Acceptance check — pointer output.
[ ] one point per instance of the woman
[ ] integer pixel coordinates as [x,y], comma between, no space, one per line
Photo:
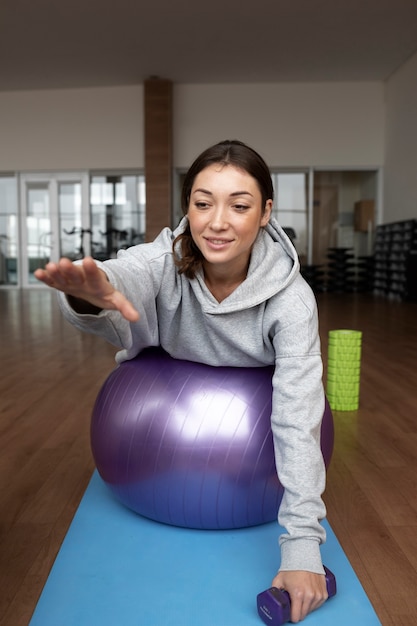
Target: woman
[225,289]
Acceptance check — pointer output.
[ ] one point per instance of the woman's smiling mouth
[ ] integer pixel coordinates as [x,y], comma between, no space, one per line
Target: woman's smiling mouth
[217,243]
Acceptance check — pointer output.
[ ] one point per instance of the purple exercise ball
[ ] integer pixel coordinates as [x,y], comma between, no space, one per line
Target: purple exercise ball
[189,444]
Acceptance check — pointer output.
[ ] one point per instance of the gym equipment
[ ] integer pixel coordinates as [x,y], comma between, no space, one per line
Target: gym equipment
[189,444]
[115,567]
[343,369]
[274,605]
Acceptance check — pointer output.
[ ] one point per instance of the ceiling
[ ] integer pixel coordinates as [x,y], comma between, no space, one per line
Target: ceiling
[48,44]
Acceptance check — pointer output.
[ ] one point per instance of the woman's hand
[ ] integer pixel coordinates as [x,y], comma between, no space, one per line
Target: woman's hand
[307,591]
[88,283]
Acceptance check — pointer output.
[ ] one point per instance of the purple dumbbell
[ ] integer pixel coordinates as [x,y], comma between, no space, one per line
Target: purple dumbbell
[274,606]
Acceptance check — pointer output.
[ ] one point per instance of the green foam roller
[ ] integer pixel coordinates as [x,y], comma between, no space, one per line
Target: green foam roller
[341,367]
[340,399]
[349,355]
[345,342]
[344,407]
[349,372]
[343,371]
[343,394]
[346,388]
[342,380]
[345,334]
[339,403]
[342,348]
[344,353]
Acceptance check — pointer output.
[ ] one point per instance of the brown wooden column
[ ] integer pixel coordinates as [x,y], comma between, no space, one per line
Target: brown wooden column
[158,155]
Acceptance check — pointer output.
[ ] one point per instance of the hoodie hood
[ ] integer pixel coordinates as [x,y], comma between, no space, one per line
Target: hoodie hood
[273,265]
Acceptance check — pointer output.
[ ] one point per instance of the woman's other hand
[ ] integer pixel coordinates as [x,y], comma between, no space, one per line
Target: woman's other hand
[307,591]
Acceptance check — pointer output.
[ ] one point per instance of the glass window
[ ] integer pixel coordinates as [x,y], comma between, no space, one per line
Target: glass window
[117,213]
[38,228]
[71,232]
[290,206]
[8,231]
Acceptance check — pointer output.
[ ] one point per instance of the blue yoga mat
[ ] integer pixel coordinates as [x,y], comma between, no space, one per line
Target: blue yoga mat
[116,568]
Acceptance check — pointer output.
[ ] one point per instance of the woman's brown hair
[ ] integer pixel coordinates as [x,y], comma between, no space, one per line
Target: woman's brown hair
[187,255]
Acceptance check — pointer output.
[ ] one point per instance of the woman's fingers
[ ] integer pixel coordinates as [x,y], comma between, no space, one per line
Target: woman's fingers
[307,591]
[79,280]
[88,282]
[125,307]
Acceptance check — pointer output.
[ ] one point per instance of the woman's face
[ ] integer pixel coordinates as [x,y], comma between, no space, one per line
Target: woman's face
[225,213]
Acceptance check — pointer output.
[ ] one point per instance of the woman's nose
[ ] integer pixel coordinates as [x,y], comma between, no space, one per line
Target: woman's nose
[218,218]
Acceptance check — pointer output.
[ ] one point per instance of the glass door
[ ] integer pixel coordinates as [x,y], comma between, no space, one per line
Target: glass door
[8,231]
[74,231]
[39,239]
[117,212]
[55,221]
[291,207]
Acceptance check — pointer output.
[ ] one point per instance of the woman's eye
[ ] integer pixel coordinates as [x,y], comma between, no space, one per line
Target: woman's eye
[240,207]
[201,205]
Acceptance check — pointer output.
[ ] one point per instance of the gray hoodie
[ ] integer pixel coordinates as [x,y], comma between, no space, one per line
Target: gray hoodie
[270,318]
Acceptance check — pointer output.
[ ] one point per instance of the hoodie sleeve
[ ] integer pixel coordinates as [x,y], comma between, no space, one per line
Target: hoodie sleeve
[298,406]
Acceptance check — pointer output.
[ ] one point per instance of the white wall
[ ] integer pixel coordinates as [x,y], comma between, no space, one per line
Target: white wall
[71,129]
[291,124]
[400,175]
[325,124]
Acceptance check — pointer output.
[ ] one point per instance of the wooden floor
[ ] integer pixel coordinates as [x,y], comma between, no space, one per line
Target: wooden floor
[50,375]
